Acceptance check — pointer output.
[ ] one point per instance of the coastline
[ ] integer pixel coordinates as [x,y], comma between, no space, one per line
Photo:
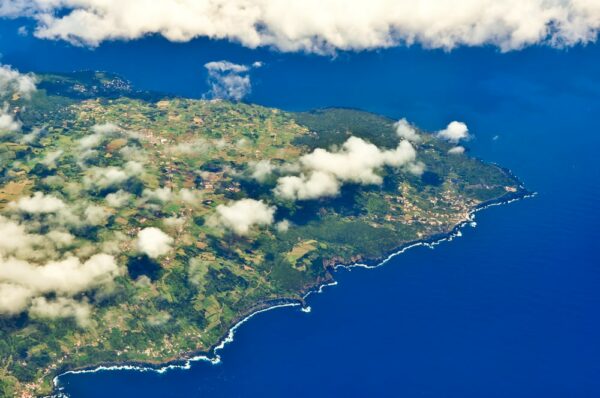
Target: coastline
[185,360]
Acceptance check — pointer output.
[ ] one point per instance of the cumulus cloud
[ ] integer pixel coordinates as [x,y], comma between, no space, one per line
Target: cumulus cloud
[319,26]
[174,222]
[283,226]
[261,170]
[22,281]
[406,130]
[31,137]
[89,141]
[104,177]
[41,260]
[225,66]
[416,168]
[190,196]
[457,150]
[13,82]
[315,185]
[454,132]
[19,242]
[61,307]
[96,215]
[60,238]
[51,158]
[118,199]
[153,242]
[106,128]
[39,203]
[8,122]
[58,214]
[228,80]
[13,298]
[160,195]
[68,276]
[240,216]
[358,161]
[100,132]
[195,147]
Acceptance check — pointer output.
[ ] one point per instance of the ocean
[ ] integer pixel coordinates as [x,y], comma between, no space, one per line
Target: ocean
[509,309]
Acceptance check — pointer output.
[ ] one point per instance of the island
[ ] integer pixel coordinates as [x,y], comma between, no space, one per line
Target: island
[139,228]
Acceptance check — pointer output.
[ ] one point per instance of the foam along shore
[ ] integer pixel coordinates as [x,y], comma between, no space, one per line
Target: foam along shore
[215,358]
[433,241]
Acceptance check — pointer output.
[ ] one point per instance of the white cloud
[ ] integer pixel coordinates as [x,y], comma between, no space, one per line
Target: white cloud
[13,82]
[318,25]
[118,199]
[282,226]
[14,236]
[357,161]
[406,130]
[8,122]
[416,168]
[174,222]
[39,203]
[35,264]
[160,195]
[457,150]
[61,307]
[51,158]
[13,298]
[100,132]
[454,132]
[106,128]
[261,170]
[17,241]
[95,215]
[57,213]
[317,184]
[195,147]
[21,282]
[60,238]
[228,80]
[89,141]
[133,153]
[51,212]
[240,216]
[153,242]
[104,177]
[67,276]
[31,137]
[225,66]
[190,196]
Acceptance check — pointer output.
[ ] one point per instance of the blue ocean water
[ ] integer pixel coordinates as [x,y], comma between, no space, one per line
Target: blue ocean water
[510,309]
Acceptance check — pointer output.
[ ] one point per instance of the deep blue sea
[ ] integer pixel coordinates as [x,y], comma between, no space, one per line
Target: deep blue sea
[510,309]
